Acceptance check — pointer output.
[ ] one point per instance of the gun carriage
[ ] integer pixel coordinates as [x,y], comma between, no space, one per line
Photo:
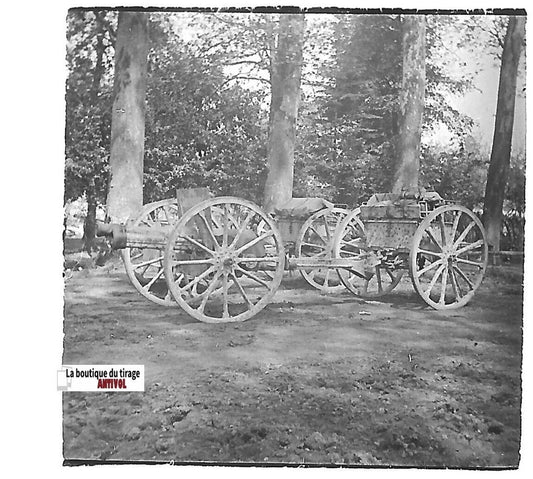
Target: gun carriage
[222,259]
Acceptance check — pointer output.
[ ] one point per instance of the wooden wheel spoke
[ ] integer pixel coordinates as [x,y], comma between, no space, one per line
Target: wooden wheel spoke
[137,256]
[242,227]
[357,273]
[195,296]
[391,276]
[434,280]
[167,214]
[326,226]
[145,269]
[463,234]
[443,285]
[355,242]
[198,244]
[148,285]
[198,278]
[325,241]
[471,263]
[253,277]
[429,267]
[442,229]
[432,238]
[209,229]
[469,247]
[455,284]
[463,275]
[260,238]
[429,253]
[454,227]
[225,228]
[354,254]
[326,277]
[313,245]
[225,310]
[212,286]
[147,263]
[241,291]
[378,279]
[192,295]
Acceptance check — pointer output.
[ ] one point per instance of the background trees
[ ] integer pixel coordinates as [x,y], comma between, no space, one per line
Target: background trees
[90,38]
[208,100]
[201,129]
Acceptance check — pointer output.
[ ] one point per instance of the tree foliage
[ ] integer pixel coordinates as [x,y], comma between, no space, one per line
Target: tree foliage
[200,132]
[208,96]
[351,130]
[90,39]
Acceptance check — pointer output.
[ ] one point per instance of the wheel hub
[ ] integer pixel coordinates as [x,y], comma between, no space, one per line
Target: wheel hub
[228,263]
[448,254]
[225,259]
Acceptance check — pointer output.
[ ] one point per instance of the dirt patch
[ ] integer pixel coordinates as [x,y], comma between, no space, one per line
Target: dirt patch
[312,379]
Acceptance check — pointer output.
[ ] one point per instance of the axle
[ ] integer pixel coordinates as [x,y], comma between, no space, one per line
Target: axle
[347,263]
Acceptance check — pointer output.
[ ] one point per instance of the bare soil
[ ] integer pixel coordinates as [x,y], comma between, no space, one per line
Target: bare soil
[312,379]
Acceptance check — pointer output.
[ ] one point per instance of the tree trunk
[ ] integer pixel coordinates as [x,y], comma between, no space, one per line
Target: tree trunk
[285,76]
[125,195]
[89,225]
[412,98]
[503,132]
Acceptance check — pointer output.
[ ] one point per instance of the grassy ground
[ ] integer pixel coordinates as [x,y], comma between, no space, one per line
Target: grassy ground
[308,380]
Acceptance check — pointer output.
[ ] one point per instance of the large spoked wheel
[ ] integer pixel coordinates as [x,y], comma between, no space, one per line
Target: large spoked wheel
[449,257]
[224,269]
[315,240]
[144,266]
[370,277]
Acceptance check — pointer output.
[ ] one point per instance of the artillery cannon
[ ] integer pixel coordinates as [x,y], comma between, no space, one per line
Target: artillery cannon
[222,259]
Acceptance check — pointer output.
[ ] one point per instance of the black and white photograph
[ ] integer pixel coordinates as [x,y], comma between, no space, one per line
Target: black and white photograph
[293,237]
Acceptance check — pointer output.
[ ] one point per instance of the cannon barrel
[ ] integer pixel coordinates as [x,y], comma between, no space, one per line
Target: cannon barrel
[129,236]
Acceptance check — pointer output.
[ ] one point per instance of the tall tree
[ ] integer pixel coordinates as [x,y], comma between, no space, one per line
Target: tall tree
[89,226]
[285,77]
[125,195]
[412,97]
[503,131]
